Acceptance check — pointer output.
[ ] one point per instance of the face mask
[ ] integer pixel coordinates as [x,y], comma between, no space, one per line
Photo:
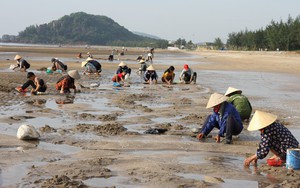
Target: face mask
[217,108]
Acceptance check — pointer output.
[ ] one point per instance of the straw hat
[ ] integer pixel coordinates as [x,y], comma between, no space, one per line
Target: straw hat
[231,90]
[261,120]
[216,99]
[17,57]
[86,61]
[142,61]
[151,68]
[122,64]
[74,74]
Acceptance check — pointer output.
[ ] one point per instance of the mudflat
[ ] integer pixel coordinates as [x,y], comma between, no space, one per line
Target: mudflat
[98,138]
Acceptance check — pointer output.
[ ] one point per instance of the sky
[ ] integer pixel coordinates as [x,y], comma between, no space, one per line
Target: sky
[195,20]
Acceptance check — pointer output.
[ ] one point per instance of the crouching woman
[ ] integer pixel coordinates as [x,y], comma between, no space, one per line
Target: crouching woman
[275,137]
[67,82]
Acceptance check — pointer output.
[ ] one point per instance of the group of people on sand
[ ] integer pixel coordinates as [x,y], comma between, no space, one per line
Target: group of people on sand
[231,110]
[38,85]
[150,76]
[63,85]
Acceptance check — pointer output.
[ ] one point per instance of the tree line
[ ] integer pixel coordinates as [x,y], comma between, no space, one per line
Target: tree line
[275,36]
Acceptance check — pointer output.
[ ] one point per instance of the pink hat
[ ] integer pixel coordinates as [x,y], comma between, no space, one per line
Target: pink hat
[185,66]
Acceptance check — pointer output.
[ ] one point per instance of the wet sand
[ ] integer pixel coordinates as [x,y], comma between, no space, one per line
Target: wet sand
[99,140]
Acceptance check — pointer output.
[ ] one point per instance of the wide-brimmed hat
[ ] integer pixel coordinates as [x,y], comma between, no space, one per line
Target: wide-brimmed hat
[17,57]
[142,61]
[86,61]
[231,90]
[216,99]
[261,120]
[74,74]
[151,68]
[122,64]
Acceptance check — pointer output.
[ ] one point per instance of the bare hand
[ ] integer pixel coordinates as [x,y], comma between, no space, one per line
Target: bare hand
[200,135]
[248,161]
[217,138]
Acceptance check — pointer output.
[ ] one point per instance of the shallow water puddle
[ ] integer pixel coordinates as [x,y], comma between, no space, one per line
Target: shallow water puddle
[135,128]
[116,181]
[84,102]
[62,148]
[13,175]
[153,104]
[268,87]
[218,159]
[227,182]
[165,119]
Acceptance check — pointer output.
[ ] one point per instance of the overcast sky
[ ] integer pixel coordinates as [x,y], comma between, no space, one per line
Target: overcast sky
[196,20]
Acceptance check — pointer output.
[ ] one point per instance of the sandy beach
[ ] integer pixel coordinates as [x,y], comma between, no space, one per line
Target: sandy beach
[99,139]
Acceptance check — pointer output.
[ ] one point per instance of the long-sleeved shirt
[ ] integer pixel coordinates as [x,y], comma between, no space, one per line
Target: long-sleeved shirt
[66,83]
[242,105]
[189,71]
[278,138]
[150,75]
[219,120]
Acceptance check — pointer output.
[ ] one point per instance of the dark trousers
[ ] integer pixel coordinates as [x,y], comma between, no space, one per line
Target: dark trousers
[31,83]
[232,128]
[28,83]
[187,77]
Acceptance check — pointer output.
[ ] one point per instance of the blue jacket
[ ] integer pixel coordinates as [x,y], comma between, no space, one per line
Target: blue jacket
[220,120]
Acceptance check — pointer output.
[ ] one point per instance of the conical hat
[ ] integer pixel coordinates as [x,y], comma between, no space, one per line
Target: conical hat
[142,61]
[216,99]
[122,64]
[151,68]
[74,74]
[86,61]
[261,120]
[231,90]
[17,57]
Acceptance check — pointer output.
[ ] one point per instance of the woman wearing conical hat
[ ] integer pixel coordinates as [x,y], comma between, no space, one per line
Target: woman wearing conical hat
[240,102]
[275,137]
[67,82]
[22,63]
[143,67]
[91,66]
[122,67]
[224,117]
[150,75]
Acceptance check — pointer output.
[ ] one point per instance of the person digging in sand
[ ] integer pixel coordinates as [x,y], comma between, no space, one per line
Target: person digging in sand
[224,117]
[168,76]
[38,85]
[91,66]
[119,79]
[275,137]
[23,65]
[240,102]
[150,75]
[187,75]
[67,82]
[58,65]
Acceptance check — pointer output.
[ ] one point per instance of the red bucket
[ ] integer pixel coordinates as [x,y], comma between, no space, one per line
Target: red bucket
[274,162]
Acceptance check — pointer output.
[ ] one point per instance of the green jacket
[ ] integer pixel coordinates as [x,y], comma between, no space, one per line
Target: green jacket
[242,105]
